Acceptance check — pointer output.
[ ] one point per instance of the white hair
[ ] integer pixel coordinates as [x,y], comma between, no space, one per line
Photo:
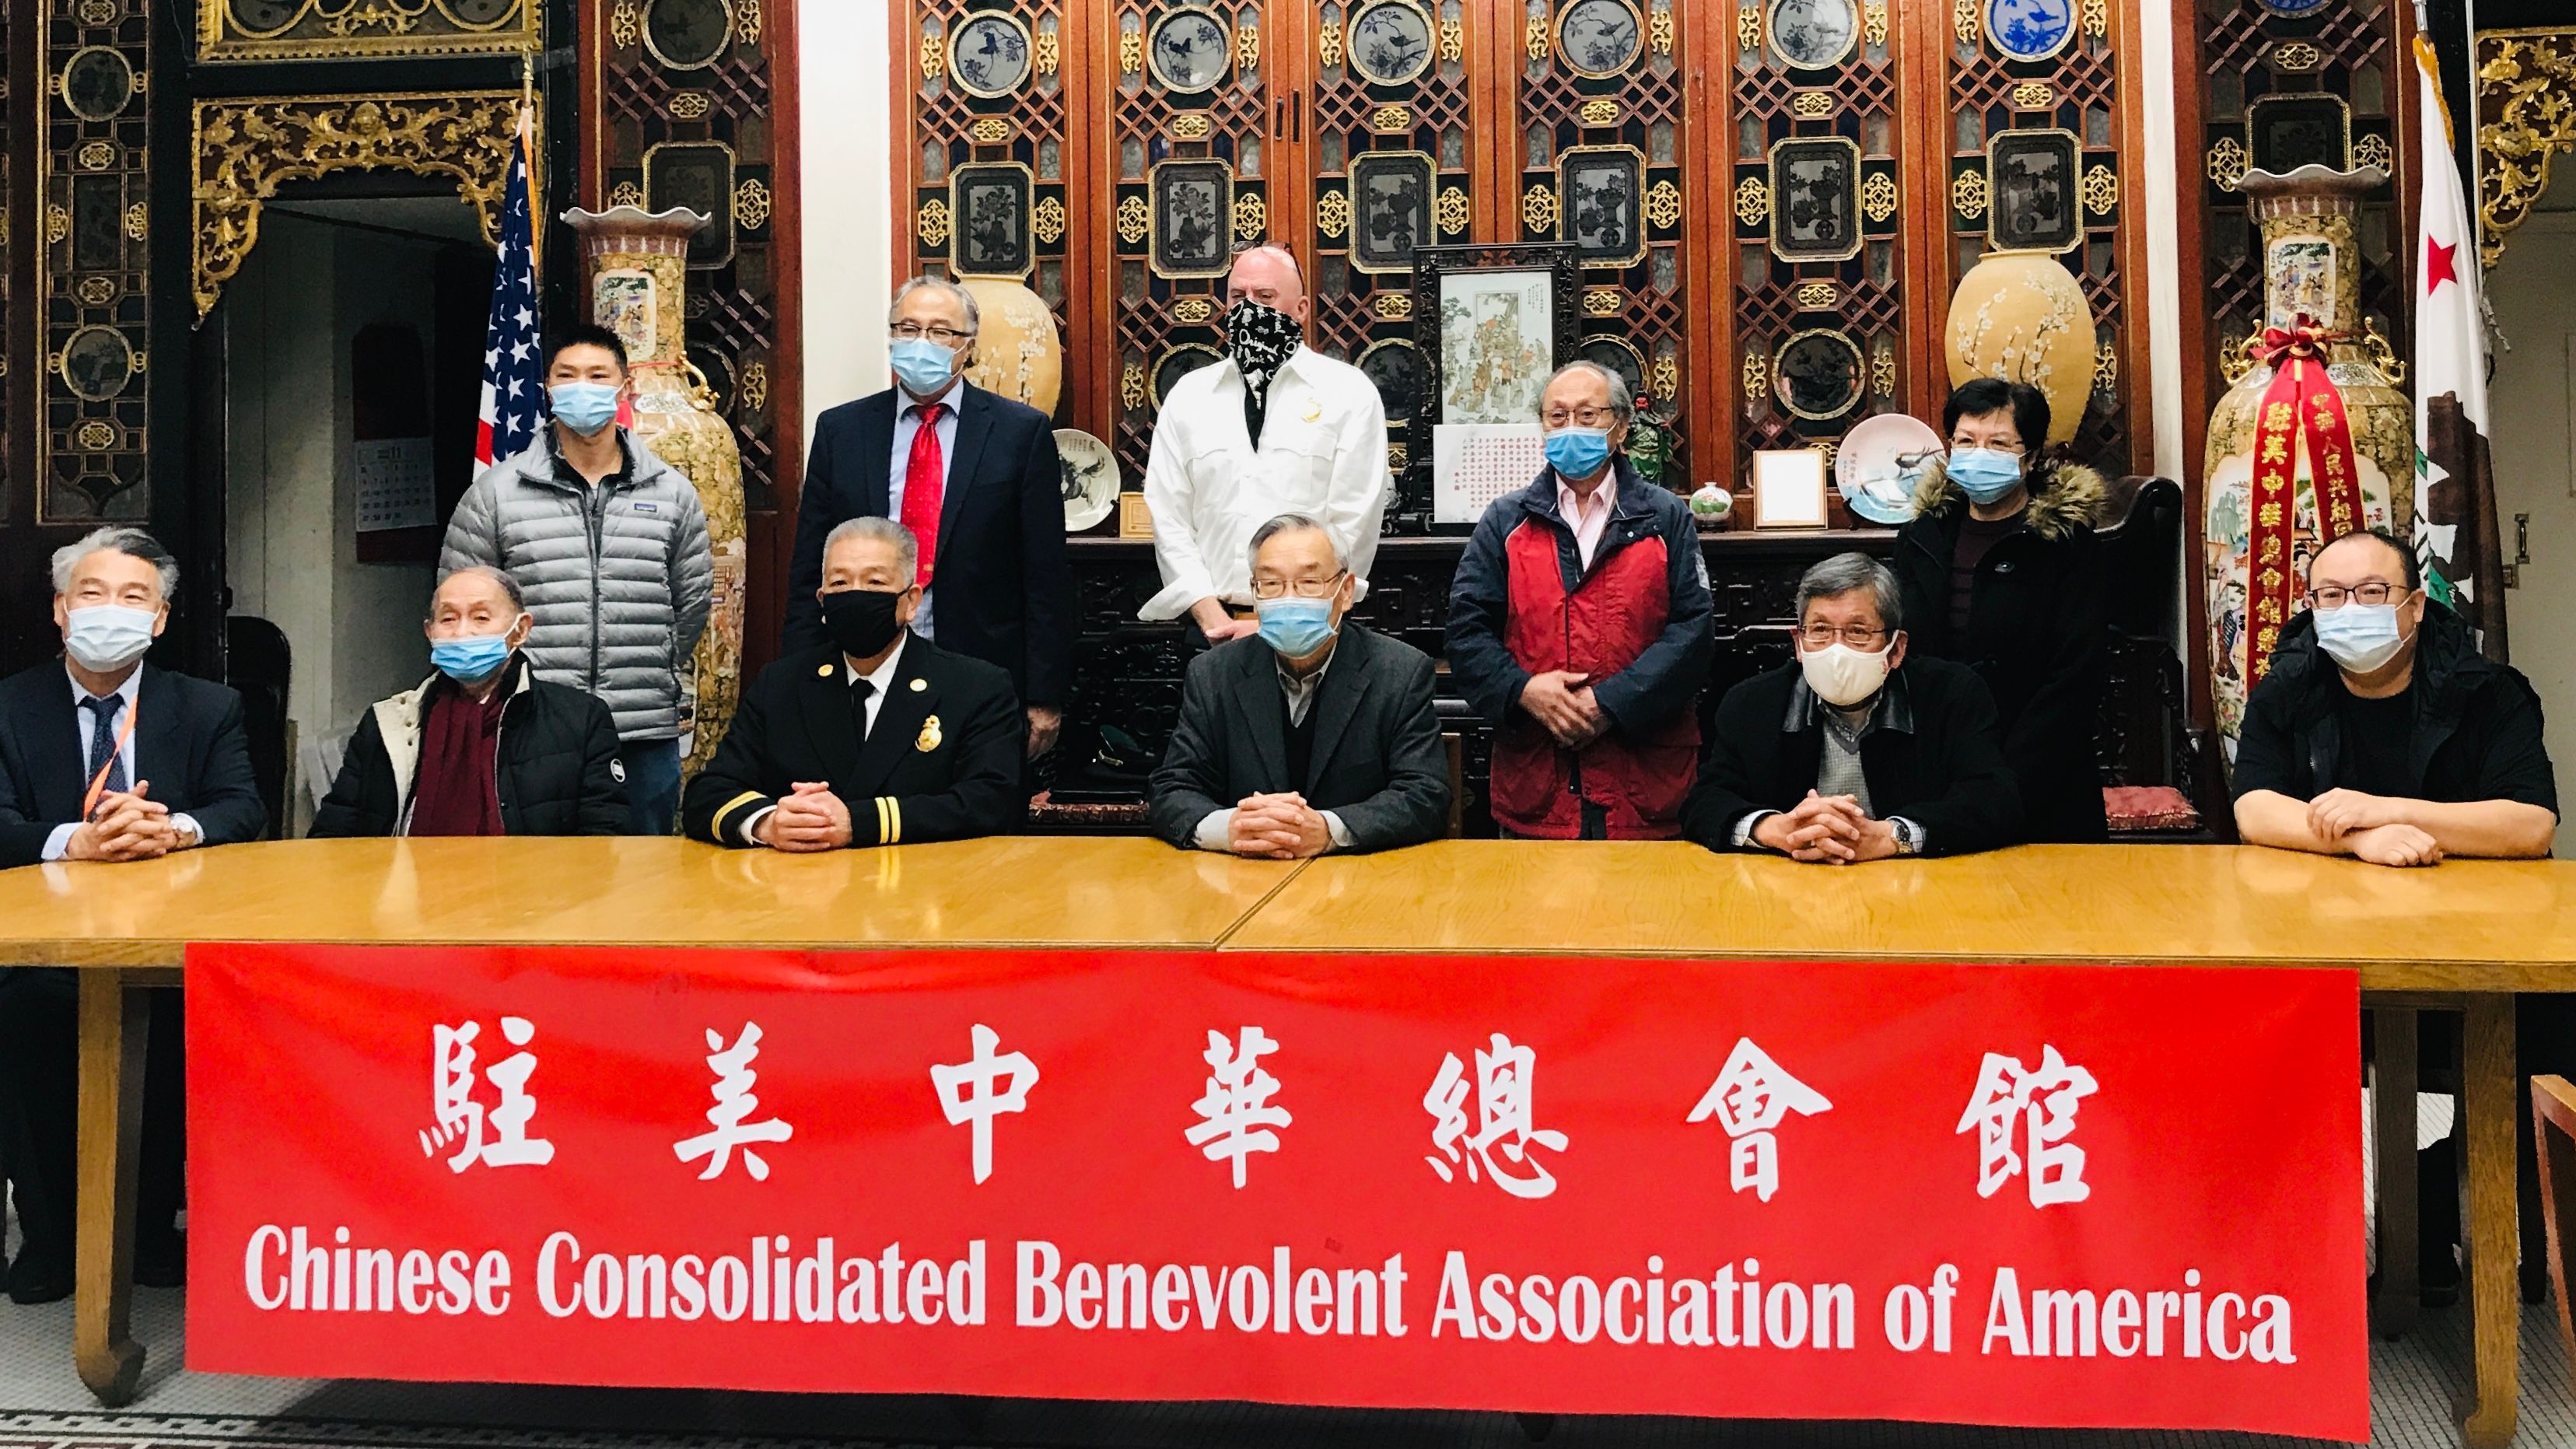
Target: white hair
[1847,573]
[964,298]
[1295,523]
[1622,406]
[132,542]
[907,549]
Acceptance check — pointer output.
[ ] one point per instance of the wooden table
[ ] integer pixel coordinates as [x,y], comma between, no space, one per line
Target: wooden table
[2460,937]
[128,927]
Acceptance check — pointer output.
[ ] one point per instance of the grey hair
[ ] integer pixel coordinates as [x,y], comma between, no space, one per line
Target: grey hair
[1845,572]
[884,530]
[132,542]
[509,586]
[966,299]
[1622,405]
[1295,523]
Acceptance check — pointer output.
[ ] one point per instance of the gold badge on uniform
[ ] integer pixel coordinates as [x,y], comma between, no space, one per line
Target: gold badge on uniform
[928,739]
[1314,410]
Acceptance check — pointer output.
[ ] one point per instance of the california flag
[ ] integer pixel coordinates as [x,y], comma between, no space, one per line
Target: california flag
[2455,507]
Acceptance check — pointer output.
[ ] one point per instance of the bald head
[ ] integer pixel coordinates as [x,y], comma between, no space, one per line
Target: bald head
[1267,274]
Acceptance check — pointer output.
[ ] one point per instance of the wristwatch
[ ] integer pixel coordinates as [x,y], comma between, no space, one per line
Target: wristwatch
[1909,836]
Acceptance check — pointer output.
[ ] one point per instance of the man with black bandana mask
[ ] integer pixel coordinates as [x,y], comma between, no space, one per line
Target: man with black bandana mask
[1273,428]
[878,738]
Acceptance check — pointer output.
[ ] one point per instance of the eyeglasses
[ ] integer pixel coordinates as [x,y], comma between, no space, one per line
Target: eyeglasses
[914,332]
[1579,417]
[1822,636]
[1302,588]
[2330,597]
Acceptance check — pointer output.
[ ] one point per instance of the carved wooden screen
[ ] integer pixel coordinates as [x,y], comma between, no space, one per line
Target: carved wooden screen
[1392,165]
[92,294]
[1821,330]
[1602,136]
[2040,125]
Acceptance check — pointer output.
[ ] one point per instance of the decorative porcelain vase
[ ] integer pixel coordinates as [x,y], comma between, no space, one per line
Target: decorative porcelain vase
[2021,316]
[639,290]
[1017,352]
[2255,557]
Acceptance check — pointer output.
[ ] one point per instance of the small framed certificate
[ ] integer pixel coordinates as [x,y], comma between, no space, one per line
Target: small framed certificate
[1789,488]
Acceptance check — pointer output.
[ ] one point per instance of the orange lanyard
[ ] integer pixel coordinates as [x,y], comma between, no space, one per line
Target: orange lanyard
[98,782]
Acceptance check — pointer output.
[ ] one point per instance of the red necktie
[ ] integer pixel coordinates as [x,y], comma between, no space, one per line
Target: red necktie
[924,477]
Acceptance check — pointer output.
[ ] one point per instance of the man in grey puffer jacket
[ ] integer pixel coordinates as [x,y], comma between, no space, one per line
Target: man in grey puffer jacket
[609,544]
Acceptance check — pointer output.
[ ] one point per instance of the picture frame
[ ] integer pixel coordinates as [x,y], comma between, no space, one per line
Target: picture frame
[1492,322]
[1789,488]
[1391,42]
[700,176]
[990,203]
[1604,191]
[1819,375]
[989,54]
[1192,233]
[1815,199]
[1813,34]
[1390,208]
[687,34]
[2035,203]
[1189,50]
[1598,39]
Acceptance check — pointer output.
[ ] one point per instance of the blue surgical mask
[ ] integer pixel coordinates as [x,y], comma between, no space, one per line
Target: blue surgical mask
[1295,627]
[584,407]
[1578,452]
[471,659]
[925,367]
[2360,637]
[104,637]
[1986,475]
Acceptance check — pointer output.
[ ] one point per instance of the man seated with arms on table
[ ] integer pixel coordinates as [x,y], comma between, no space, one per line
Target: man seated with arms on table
[1315,735]
[1850,752]
[878,738]
[105,758]
[1579,623]
[482,747]
[1276,427]
[2401,744]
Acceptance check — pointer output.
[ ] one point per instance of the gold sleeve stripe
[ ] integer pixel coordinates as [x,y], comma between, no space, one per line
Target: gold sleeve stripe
[716,827]
[880,803]
[894,812]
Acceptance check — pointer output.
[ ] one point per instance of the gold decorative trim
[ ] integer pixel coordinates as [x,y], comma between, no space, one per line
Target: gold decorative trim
[1391,120]
[1882,368]
[1135,220]
[1968,193]
[934,56]
[1663,205]
[319,31]
[1328,44]
[747,21]
[96,291]
[1333,212]
[1600,111]
[2227,163]
[2101,190]
[2373,151]
[2097,18]
[97,155]
[1818,296]
[2383,354]
[2106,370]
[1131,385]
[1756,376]
[1191,126]
[625,24]
[1046,53]
[1453,40]
[1049,220]
[1452,211]
[1878,197]
[990,131]
[245,149]
[1193,311]
[1247,47]
[1812,105]
[1534,39]
[2296,57]
[1604,302]
[626,193]
[751,203]
[688,105]
[931,222]
[58,224]
[96,435]
[1131,51]
[2034,95]
[1394,306]
[1539,209]
[138,221]
[2526,116]
[1964,22]
[1748,29]
[1659,30]
[754,386]
[1753,201]
[1873,22]
[1251,218]
[1664,379]
[1398,458]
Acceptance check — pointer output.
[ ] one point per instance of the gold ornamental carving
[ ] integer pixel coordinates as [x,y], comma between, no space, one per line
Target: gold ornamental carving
[931,223]
[2033,96]
[2097,18]
[1752,201]
[1964,21]
[98,12]
[934,56]
[138,222]
[245,149]
[754,385]
[626,193]
[1968,194]
[1756,373]
[1131,51]
[1664,379]
[1398,458]
[1452,211]
[1386,120]
[97,291]
[1131,386]
[1882,368]
[2101,190]
[2526,82]
[1534,38]
[1193,311]
[689,105]
[1453,40]
[1328,44]
[1048,221]
[1659,30]
[1604,302]
[1333,212]
[1600,111]
[1190,126]
[751,204]
[1878,196]
[1873,22]
[747,20]
[2373,151]
[1046,53]
[98,155]
[1250,216]
[1812,105]
[1664,204]
[1539,209]
[1247,47]
[1818,296]
[349,29]
[2227,162]
[990,131]
[626,24]
[58,224]
[1394,306]
[2296,57]
[96,436]
[1135,219]
[2106,370]
[1748,29]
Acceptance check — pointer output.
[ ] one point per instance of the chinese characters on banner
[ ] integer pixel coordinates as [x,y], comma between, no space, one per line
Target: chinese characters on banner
[2032,1195]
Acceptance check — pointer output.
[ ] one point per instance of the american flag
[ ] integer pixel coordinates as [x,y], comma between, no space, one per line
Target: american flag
[513,360]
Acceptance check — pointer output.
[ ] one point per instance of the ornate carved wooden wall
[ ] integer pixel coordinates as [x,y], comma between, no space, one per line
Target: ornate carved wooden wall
[2526,114]
[93,298]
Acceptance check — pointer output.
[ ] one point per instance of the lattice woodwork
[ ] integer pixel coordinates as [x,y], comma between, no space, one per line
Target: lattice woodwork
[1154,318]
[711,114]
[1862,296]
[93,179]
[2075,91]
[1407,121]
[954,126]
[2358,59]
[1559,111]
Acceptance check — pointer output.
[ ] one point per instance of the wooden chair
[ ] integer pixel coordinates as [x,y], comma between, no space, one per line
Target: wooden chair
[2553,1126]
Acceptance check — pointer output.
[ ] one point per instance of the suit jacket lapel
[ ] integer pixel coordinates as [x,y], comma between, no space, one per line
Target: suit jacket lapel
[823,700]
[898,726]
[877,484]
[57,745]
[1346,683]
[974,425]
[160,741]
[1256,694]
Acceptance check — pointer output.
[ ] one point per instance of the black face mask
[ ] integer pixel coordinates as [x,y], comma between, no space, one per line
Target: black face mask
[861,621]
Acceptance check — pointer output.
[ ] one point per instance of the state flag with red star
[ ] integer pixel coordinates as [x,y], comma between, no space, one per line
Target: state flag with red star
[2455,509]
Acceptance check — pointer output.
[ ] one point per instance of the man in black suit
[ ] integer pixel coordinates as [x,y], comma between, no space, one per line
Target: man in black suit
[104,759]
[1310,735]
[877,738]
[1852,752]
[976,478]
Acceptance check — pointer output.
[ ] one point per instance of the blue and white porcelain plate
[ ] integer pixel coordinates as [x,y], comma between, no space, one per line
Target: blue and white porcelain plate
[2030,29]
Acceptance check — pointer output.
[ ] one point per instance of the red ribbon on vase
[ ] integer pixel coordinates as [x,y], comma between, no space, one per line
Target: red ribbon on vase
[2302,404]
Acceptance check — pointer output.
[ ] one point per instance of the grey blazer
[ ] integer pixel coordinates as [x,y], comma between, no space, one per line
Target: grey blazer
[1377,760]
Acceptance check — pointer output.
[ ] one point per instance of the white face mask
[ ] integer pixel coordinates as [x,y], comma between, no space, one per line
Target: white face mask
[1843,676]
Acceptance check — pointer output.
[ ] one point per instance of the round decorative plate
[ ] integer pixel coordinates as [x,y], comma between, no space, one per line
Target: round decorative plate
[1190,51]
[1818,374]
[989,55]
[687,34]
[1391,42]
[1090,478]
[96,363]
[2030,29]
[97,83]
[1600,38]
[1879,462]
[1814,34]
[1179,363]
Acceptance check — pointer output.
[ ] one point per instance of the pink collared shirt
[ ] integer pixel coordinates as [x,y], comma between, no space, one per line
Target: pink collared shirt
[1588,519]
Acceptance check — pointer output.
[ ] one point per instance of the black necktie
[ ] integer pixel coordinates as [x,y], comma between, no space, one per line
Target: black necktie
[102,739]
[861,691]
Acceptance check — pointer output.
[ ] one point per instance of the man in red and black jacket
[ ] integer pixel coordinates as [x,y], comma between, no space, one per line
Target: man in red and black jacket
[1579,623]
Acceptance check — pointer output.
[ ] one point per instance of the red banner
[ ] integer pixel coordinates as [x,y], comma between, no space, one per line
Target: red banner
[2033,1195]
[2302,410]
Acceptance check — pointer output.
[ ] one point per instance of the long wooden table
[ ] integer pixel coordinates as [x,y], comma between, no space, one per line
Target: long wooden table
[2463,937]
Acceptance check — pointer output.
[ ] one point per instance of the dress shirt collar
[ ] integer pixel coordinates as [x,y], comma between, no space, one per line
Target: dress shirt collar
[905,404]
[1305,688]
[128,690]
[1289,368]
[884,675]
[1892,709]
[1604,500]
